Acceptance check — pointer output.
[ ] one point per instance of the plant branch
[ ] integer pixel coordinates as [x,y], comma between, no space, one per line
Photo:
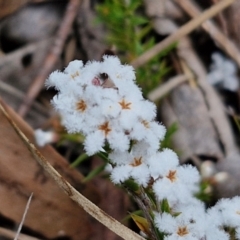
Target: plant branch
[165,88]
[215,33]
[182,31]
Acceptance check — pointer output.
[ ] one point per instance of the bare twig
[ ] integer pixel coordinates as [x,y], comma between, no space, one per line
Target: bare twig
[216,34]
[23,218]
[184,30]
[87,205]
[165,88]
[52,57]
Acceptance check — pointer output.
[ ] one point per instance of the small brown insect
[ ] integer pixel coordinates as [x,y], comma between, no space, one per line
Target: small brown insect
[103,80]
[106,81]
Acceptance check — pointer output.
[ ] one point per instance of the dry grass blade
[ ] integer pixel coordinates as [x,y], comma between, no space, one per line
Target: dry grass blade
[23,218]
[87,205]
[183,31]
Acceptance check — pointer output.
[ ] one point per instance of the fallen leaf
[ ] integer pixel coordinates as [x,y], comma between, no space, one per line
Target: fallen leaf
[51,212]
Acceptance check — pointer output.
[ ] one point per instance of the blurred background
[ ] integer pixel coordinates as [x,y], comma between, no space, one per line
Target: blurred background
[193,79]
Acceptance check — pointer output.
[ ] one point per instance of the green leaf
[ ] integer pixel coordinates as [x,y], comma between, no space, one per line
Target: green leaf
[128,32]
[131,185]
[94,173]
[142,223]
[79,160]
[143,32]
[139,21]
[167,141]
[176,214]
[134,4]
[126,218]
[104,156]
[73,137]
[204,194]
[165,206]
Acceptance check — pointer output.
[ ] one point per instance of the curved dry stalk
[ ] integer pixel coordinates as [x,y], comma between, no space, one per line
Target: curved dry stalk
[182,31]
[87,205]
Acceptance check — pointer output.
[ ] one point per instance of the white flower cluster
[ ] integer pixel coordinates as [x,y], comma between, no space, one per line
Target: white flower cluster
[223,72]
[102,101]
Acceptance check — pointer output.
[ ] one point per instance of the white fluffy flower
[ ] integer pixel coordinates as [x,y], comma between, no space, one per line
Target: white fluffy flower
[176,184]
[228,210]
[102,101]
[188,225]
[214,225]
[223,72]
[131,165]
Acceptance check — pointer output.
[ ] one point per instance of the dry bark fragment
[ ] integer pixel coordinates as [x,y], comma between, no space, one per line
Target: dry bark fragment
[51,212]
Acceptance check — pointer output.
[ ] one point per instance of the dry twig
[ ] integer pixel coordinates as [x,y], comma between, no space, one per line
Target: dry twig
[87,205]
[52,57]
[165,88]
[184,30]
[216,34]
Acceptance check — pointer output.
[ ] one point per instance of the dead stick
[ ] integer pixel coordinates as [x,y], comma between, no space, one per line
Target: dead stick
[87,205]
[182,31]
[165,88]
[51,58]
[216,34]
